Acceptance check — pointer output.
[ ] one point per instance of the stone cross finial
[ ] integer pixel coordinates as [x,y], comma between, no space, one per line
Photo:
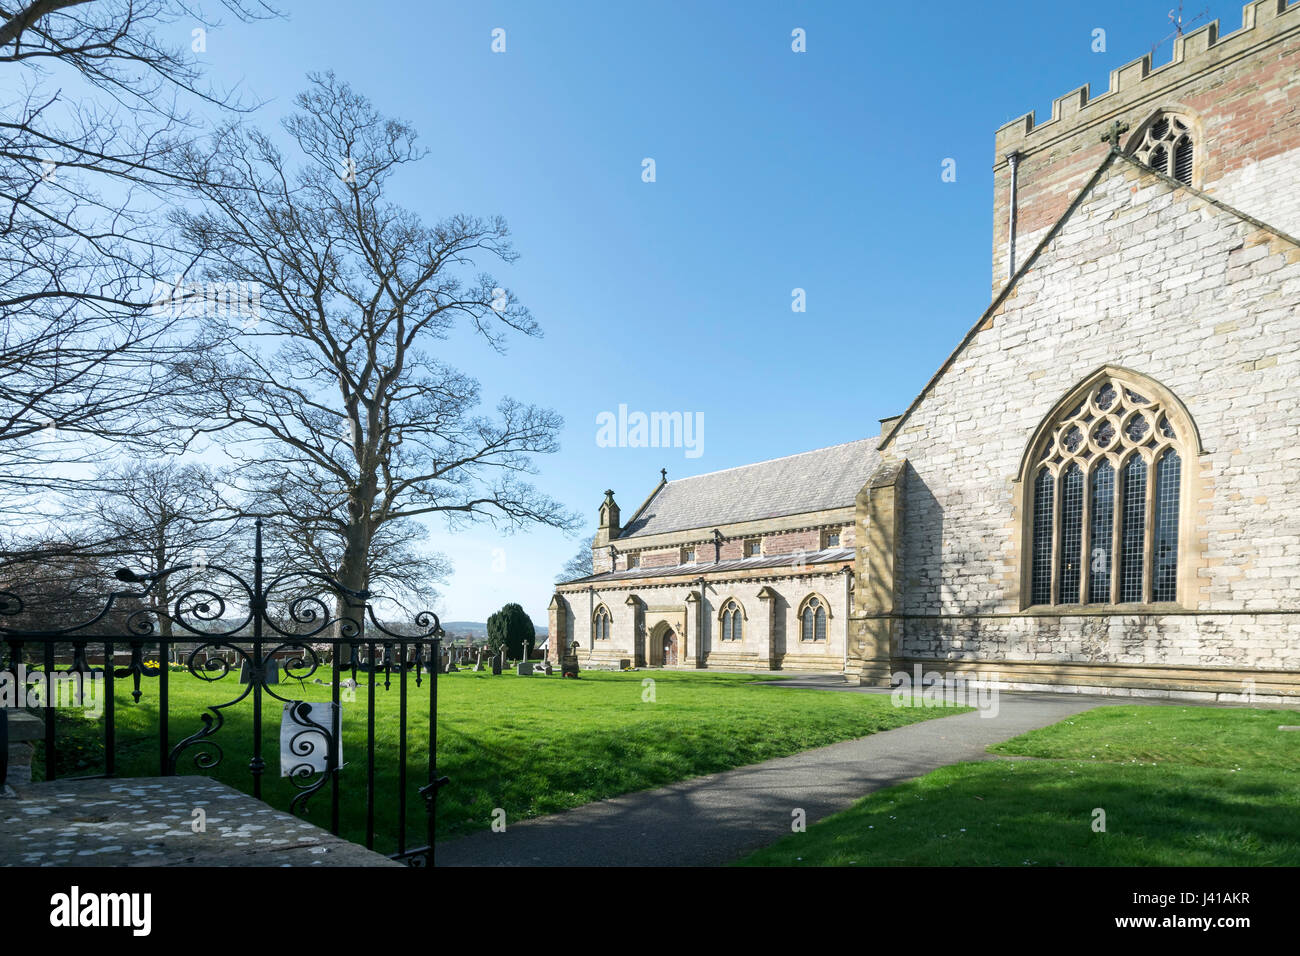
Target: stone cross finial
[1112,135]
[663,474]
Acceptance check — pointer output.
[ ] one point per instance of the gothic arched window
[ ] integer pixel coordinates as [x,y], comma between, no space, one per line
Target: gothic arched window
[733,624]
[1105,491]
[600,624]
[1165,142]
[812,619]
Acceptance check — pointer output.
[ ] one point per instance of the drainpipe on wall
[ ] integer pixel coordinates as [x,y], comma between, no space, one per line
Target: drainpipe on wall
[1013,159]
[699,625]
[848,611]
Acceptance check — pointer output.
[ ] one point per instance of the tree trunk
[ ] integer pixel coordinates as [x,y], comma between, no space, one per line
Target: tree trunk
[162,594]
[162,598]
[354,573]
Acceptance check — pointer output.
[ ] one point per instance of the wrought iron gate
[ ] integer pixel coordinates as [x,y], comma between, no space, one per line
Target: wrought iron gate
[232,630]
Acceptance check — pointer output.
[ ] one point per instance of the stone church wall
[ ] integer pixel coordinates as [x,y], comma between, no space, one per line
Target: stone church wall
[1158,281]
[770,636]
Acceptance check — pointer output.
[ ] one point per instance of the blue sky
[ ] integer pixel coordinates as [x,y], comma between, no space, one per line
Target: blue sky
[774,170]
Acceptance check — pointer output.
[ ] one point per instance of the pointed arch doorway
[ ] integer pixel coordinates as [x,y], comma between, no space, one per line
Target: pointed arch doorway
[664,645]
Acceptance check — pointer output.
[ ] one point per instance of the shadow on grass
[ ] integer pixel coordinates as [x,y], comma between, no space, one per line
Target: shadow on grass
[1043,813]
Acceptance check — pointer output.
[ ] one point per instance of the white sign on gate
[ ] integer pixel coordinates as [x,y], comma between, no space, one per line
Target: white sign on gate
[303,747]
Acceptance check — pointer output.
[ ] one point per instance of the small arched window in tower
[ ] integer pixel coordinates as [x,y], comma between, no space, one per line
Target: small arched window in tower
[812,622]
[733,624]
[1165,144]
[600,625]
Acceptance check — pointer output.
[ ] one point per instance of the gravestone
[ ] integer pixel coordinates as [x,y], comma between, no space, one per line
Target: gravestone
[272,672]
[524,668]
[478,664]
[496,664]
[546,668]
[569,662]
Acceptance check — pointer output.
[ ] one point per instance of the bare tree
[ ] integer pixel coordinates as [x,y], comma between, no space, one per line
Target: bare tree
[304,538]
[580,565]
[334,402]
[95,111]
[69,585]
[157,515]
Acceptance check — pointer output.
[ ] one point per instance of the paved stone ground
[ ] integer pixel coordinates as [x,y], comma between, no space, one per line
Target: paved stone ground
[146,822]
[709,821]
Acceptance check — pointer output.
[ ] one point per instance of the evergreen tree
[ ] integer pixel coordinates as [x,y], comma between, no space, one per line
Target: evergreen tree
[513,629]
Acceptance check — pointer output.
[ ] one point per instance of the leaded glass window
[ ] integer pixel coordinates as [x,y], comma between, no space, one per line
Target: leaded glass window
[812,624]
[600,626]
[1165,576]
[1042,571]
[1132,534]
[1104,499]
[1102,509]
[1071,533]
[733,626]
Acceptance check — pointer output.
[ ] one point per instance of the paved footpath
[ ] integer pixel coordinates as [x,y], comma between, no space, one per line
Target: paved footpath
[147,821]
[709,821]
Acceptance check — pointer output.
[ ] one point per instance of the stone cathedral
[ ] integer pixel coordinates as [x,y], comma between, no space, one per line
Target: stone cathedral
[1097,490]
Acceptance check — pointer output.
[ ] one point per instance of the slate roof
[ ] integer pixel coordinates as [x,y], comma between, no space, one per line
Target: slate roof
[797,484]
[706,568]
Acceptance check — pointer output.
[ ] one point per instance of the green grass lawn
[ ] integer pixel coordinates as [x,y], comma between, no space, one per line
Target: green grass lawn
[527,745]
[1180,786]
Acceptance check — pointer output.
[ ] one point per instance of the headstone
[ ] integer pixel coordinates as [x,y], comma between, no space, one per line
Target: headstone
[478,663]
[547,669]
[496,664]
[272,672]
[524,668]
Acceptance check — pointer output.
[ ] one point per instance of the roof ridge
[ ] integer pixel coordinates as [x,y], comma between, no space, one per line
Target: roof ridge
[1173,183]
[768,461]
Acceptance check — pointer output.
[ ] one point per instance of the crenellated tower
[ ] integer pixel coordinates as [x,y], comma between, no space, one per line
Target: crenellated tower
[1223,115]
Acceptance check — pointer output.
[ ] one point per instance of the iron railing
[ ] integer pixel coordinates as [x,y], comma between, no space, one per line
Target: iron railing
[232,630]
